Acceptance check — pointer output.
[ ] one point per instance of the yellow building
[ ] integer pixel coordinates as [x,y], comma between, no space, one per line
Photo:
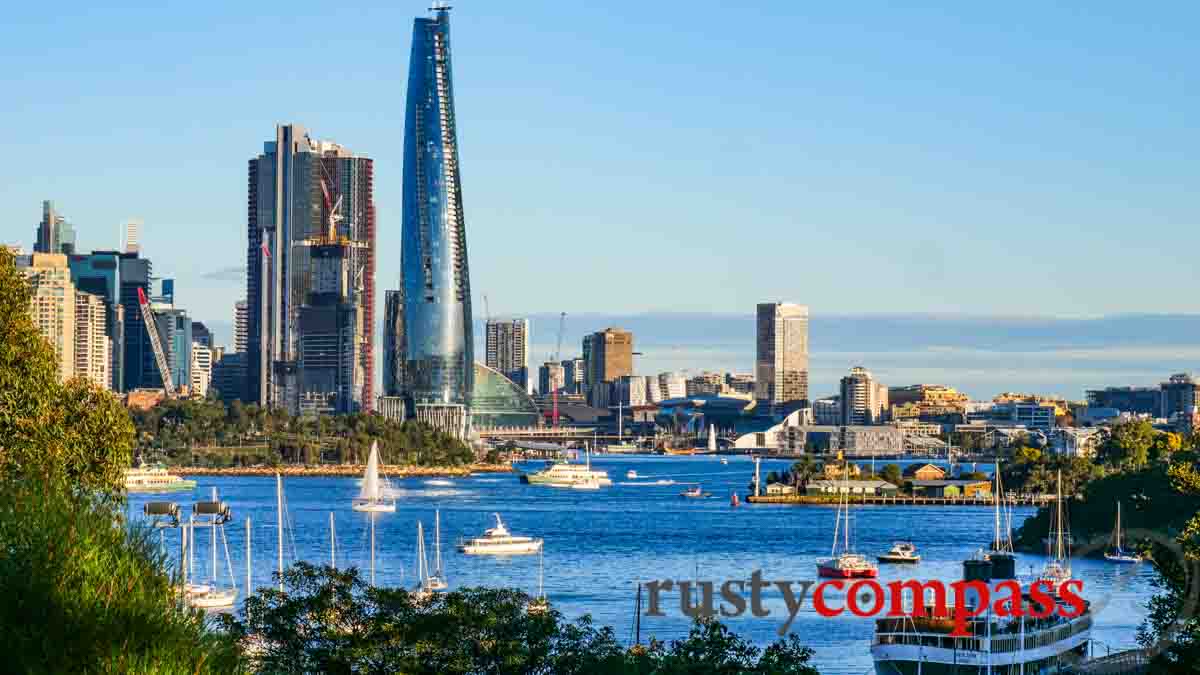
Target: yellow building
[53,305]
[93,347]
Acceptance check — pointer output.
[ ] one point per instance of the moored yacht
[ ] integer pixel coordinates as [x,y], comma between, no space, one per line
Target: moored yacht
[499,541]
[901,552]
[1117,554]
[847,564]
[375,496]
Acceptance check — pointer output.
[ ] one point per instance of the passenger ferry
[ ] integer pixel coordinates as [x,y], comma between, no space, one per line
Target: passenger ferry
[564,474]
[155,478]
[922,645]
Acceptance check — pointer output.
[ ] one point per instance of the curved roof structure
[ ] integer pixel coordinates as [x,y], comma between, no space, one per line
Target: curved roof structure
[497,401]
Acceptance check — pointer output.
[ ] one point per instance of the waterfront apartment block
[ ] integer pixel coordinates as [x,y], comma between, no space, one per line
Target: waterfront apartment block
[1135,400]
[507,350]
[781,353]
[93,347]
[53,305]
[200,372]
[310,266]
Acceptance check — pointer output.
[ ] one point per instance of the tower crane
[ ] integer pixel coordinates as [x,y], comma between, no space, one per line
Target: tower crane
[160,356]
[562,319]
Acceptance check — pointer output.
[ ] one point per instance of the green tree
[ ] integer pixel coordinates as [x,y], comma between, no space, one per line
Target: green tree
[892,474]
[73,433]
[1128,445]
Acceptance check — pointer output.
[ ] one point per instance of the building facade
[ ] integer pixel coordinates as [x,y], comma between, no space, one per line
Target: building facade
[863,400]
[781,353]
[552,377]
[507,350]
[93,347]
[53,305]
[438,344]
[310,262]
[1136,400]
[131,231]
[1179,395]
[138,370]
[201,369]
[609,356]
[393,338]
[99,273]
[241,326]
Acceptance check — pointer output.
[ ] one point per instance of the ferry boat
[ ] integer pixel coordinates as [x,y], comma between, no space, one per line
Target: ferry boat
[995,645]
[155,478]
[564,474]
[901,552]
[499,541]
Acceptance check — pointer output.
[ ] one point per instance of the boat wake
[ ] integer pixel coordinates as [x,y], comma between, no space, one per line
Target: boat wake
[439,481]
[649,483]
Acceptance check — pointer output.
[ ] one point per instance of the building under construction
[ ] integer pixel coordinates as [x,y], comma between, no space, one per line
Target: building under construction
[310,279]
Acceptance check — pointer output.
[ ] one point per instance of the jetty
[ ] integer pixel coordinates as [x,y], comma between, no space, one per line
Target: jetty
[899,500]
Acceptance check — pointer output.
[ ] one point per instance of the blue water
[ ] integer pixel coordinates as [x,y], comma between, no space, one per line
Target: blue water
[599,543]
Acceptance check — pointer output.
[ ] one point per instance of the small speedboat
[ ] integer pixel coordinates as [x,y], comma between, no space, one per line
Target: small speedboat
[631,474]
[901,552]
[724,460]
[695,492]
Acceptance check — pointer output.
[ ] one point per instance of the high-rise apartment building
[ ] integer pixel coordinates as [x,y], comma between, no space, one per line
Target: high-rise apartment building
[99,273]
[508,350]
[437,341]
[131,233]
[781,361]
[53,305]
[310,276]
[672,385]
[241,326]
[93,347]
[863,400]
[574,375]
[139,371]
[393,337]
[610,356]
[201,334]
[201,368]
[1179,395]
[54,234]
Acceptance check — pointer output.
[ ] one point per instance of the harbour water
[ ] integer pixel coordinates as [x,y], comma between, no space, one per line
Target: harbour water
[599,543]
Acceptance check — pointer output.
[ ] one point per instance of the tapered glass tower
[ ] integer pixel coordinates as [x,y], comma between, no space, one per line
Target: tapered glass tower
[438,370]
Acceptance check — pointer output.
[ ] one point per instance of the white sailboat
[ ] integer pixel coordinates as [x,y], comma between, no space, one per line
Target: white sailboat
[374,497]
[712,438]
[437,580]
[215,516]
[1118,554]
[1058,568]
[422,591]
[539,604]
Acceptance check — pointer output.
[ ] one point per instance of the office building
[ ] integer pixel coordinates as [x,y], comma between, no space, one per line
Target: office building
[508,349]
[131,231]
[574,375]
[393,340]
[706,383]
[1134,400]
[229,376]
[497,402]
[609,355]
[93,347]
[241,326]
[1180,396]
[630,390]
[175,333]
[551,377]
[139,371]
[99,273]
[201,334]
[863,400]
[827,411]
[781,353]
[53,305]
[739,383]
[439,363]
[310,266]
[54,233]
[672,385]
[201,368]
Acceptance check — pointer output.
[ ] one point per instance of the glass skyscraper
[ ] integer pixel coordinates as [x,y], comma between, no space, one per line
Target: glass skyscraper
[436,340]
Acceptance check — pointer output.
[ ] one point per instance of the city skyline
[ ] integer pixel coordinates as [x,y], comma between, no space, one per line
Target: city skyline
[975,155]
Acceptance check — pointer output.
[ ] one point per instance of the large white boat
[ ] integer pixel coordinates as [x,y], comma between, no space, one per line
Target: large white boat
[499,541]
[994,645]
[376,496]
[146,478]
[564,474]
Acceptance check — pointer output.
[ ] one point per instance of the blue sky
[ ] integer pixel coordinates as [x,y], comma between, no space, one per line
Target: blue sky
[1012,158]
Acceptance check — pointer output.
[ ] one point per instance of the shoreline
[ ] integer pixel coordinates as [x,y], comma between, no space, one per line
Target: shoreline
[342,470]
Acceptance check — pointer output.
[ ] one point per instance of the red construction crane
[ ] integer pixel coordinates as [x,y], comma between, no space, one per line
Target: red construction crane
[160,356]
[562,319]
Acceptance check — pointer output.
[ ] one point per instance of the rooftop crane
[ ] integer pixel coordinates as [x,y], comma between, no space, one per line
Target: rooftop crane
[160,357]
[562,319]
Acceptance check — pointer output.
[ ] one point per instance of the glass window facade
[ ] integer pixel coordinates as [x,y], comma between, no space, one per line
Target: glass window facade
[499,402]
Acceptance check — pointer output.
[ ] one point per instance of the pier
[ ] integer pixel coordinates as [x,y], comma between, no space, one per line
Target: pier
[899,500]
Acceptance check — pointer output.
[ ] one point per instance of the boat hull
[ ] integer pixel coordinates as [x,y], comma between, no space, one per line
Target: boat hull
[1123,559]
[180,486]
[898,559]
[375,507]
[839,573]
[520,548]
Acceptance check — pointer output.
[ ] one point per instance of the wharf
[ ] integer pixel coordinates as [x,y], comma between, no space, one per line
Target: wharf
[898,500]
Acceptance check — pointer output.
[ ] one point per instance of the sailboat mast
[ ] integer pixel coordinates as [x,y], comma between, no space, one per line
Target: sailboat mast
[1059,519]
[1118,526]
[996,500]
[846,499]
[279,523]
[332,543]
[213,532]
[437,541]
[372,548]
[249,566]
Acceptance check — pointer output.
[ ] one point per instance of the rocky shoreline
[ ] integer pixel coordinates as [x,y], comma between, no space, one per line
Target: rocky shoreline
[343,470]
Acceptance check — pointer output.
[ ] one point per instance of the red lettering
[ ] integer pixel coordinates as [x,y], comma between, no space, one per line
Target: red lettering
[1043,601]
[1012,605]
[961,611]
[897,588]
[819,599]
[1077,604]
[876,593]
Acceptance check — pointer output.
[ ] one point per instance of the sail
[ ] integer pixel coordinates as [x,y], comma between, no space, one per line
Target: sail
[370,486]
[712,437]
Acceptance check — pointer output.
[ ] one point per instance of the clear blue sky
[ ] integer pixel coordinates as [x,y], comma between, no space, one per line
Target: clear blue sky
[1010,158]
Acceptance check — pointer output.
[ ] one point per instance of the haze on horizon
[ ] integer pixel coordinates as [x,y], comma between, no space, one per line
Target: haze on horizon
[1022,160]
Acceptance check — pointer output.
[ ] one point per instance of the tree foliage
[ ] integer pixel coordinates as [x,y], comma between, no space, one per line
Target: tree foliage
[74,433]
[331,621]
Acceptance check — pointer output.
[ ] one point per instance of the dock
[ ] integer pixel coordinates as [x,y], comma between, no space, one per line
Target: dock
[898,500]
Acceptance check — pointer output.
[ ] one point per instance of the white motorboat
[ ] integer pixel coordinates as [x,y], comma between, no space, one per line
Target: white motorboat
[631,474]
[499,541]
[375,496]
[564,474]
[901,552]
